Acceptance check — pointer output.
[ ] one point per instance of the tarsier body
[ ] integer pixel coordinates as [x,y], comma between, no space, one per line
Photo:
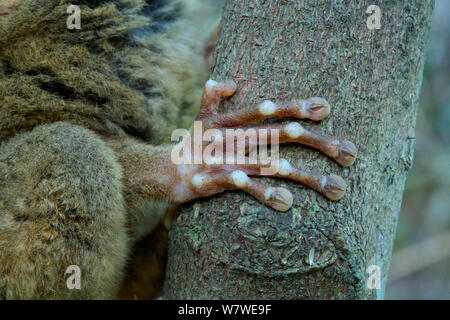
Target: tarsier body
[84,117]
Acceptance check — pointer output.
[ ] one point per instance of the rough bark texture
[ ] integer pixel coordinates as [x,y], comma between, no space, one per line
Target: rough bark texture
[230,246]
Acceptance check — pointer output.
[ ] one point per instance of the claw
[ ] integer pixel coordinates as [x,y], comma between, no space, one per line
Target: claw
[347,154]
[333,187]
[317,108]
[279,198]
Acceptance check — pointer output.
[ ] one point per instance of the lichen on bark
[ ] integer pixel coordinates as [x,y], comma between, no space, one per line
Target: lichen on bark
[230,246]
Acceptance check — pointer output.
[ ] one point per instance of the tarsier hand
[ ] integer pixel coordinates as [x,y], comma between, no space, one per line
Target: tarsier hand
[205,176]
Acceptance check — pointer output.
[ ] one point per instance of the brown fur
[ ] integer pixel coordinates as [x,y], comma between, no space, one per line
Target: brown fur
[95,76]
[73,105]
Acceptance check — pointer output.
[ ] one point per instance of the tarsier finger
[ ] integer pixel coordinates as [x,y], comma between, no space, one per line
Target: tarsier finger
[278,198]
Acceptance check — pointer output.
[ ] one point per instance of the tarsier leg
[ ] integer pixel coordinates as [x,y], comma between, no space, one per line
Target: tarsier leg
[210,178]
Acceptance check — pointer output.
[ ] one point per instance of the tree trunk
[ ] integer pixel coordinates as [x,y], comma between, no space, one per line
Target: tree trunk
[232,247]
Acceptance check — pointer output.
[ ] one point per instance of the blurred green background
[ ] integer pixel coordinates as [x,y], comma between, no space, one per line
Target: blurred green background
[420,267]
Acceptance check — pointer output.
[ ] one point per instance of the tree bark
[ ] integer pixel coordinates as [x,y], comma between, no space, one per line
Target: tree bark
[232,247]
